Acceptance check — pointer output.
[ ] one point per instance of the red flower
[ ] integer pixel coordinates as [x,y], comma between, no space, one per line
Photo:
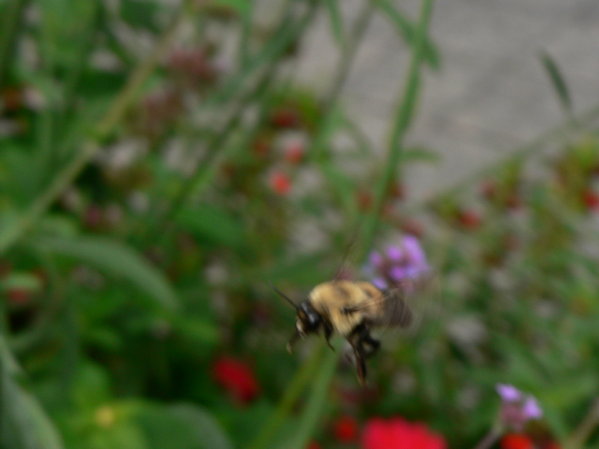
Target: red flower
[345,429]
[280,183]
[18,296]
[364,200]
[412,227]
[591,200]
[516,441]
[294,153]
[397,191]
[514,202]
[93,217]
[5,268]
[552,445]
[285,117]
[261,147]
[469,219]
[237,378]
[313,445]
[396,433]
[192,65]
[488,189]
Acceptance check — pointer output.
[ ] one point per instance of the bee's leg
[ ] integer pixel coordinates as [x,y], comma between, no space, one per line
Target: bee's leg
[355,340]
[369,344]
[292,341]
[360,365]
[328,332]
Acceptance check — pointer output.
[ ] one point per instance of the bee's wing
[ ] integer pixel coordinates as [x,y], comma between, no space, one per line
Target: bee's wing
[422,297]
[405,305]
[396,309]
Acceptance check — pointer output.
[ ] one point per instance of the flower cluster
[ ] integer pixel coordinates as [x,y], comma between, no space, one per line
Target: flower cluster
[397,433]
[520,441]
[345,429]
[517,408]
[398,263]
[237,378]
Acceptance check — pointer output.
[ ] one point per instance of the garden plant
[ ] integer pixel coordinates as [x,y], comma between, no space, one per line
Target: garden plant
[162,168]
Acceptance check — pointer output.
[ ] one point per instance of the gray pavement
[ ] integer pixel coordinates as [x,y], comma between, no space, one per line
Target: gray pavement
[491,93]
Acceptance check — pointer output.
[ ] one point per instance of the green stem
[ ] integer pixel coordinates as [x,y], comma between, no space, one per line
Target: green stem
[330,108]
[292,394]
[585,428]
[287,32]
[245,37]
[317,402]
[113,117]
[349,55]
[8,36]
[403,119]
[489,439]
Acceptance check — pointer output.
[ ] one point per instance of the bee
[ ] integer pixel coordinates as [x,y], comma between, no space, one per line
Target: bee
[352,310]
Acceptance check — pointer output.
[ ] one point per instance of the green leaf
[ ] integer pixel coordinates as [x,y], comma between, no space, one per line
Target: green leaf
[181,426]
[25,281]
[23,423]
[557,81]
[241,6]
[417,154]
[213,225]
[140,14]
[63,24]
[408,31]
[300,271]
[7,361]
[116,259]
[332,7]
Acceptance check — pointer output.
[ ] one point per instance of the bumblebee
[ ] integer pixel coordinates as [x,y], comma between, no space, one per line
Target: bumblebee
[350,309]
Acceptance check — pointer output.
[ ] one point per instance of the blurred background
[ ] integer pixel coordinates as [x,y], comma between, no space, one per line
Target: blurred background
[163,163]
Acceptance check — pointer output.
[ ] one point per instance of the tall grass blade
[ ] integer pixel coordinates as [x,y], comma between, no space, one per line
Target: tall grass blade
[115,259]
[23,423]
[409,32]
[318,399]
[558,82]
[336,21]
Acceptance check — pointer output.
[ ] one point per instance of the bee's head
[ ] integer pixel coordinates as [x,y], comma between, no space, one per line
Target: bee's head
[308,319]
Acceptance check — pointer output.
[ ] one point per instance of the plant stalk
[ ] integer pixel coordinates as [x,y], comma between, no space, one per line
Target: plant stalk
[584,430]
[489,439]
[406,111]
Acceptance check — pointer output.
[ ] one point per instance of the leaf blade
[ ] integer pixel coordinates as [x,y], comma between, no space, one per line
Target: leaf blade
[409,32]
[557,80]
[116,259]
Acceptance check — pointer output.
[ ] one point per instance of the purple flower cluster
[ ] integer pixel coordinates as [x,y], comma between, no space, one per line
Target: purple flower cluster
[517,408]
[397,263]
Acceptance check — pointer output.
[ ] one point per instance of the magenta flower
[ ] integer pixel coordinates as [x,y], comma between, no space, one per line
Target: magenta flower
[531,408]
[516,407]
[398,263]
[508,393]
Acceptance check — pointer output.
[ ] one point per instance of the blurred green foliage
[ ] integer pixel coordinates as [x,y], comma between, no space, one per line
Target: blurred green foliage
[152,185]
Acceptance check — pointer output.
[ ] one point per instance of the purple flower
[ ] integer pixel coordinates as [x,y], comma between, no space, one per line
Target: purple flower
[508,393]
[380,283]
[517,408]
[398,263]
[394,253]
[415,253]
[531,408]
[376,260]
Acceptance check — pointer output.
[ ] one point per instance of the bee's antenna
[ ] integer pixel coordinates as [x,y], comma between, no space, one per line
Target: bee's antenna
[284,296]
